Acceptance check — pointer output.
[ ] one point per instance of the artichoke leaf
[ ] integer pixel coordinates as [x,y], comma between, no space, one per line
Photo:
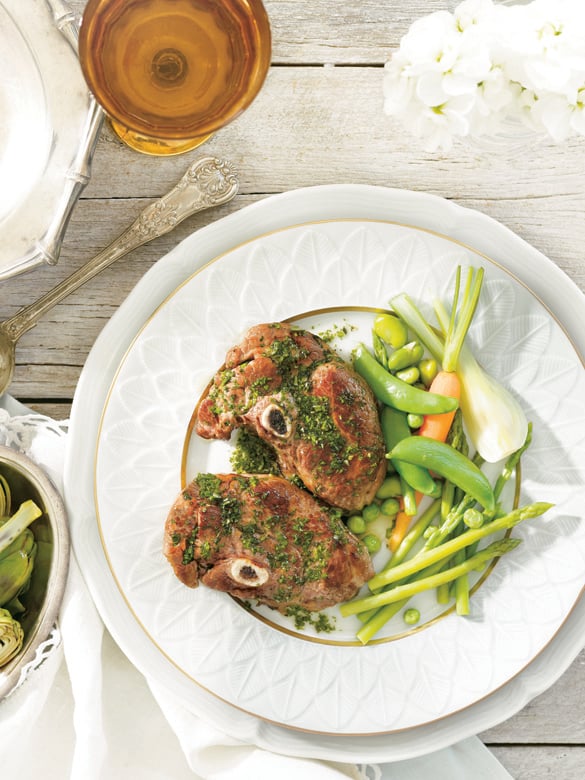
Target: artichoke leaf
[11,637]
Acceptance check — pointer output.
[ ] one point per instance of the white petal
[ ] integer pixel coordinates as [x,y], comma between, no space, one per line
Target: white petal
[429,89]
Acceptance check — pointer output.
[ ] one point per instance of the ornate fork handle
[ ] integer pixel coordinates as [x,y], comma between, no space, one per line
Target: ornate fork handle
[208,182]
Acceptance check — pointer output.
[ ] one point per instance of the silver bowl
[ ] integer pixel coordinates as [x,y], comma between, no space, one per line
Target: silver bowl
[48,131]
[43,598]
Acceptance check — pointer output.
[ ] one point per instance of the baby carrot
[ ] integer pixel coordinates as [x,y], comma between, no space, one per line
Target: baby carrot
[436,426]
[400,529]
[401,526]
[446,382]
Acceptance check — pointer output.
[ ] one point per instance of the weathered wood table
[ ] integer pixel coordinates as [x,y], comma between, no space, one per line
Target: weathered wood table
[319,120]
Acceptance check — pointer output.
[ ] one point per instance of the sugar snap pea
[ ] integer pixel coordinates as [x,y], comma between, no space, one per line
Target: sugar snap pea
[441,458]
[392,391]
[395,428]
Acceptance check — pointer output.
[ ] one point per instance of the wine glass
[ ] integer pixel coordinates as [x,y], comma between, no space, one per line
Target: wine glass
[169,73]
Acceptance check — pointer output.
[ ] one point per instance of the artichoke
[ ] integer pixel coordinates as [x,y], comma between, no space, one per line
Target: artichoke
[11,637]
[16,565]
[12,527]
[5,497]
[18,550]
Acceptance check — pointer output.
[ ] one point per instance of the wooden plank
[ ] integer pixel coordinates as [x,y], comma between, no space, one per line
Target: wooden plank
[326,125]
[50,357]
[55,411]
[538,763]
[320,125]
[555,717]
[332,32]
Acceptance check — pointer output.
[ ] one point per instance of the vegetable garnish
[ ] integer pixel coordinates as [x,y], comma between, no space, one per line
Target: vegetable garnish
[438,547]
[442,552]
[395,428]
[446,381]
[407,590]
[446,461]
[394,392]
[494,419]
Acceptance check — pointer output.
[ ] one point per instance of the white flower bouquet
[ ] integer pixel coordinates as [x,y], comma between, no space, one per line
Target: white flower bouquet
[486,65]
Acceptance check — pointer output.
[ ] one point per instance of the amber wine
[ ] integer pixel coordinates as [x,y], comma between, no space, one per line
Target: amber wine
[174,70]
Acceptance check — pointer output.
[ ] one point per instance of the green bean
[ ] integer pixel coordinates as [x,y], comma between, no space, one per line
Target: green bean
[391,329]
[392,391]
[395,428]
[406,356]
[449,463]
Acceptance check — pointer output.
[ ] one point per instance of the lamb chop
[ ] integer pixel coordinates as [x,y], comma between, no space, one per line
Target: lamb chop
[262,537]
[290,388]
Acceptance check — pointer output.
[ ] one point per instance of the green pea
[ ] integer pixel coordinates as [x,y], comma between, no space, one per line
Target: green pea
[406,356]
[428,370]
[371,512]
[414,420]
[411,616]
[473,518]
[391,329]
[390,507]
[372,542]
[390,487]
[356,524]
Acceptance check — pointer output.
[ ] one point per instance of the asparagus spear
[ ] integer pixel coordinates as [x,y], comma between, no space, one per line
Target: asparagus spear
[427,557]
[409,589]
[377,618]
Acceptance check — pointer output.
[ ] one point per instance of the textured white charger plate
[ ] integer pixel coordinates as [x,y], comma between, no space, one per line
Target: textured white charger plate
[333,688]
[467,716]
[48,128]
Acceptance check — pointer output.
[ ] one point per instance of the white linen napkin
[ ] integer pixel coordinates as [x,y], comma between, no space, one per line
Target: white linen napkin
[86,713]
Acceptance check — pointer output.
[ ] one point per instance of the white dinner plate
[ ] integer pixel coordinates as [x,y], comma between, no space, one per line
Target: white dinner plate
[48,129]
[406,687]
